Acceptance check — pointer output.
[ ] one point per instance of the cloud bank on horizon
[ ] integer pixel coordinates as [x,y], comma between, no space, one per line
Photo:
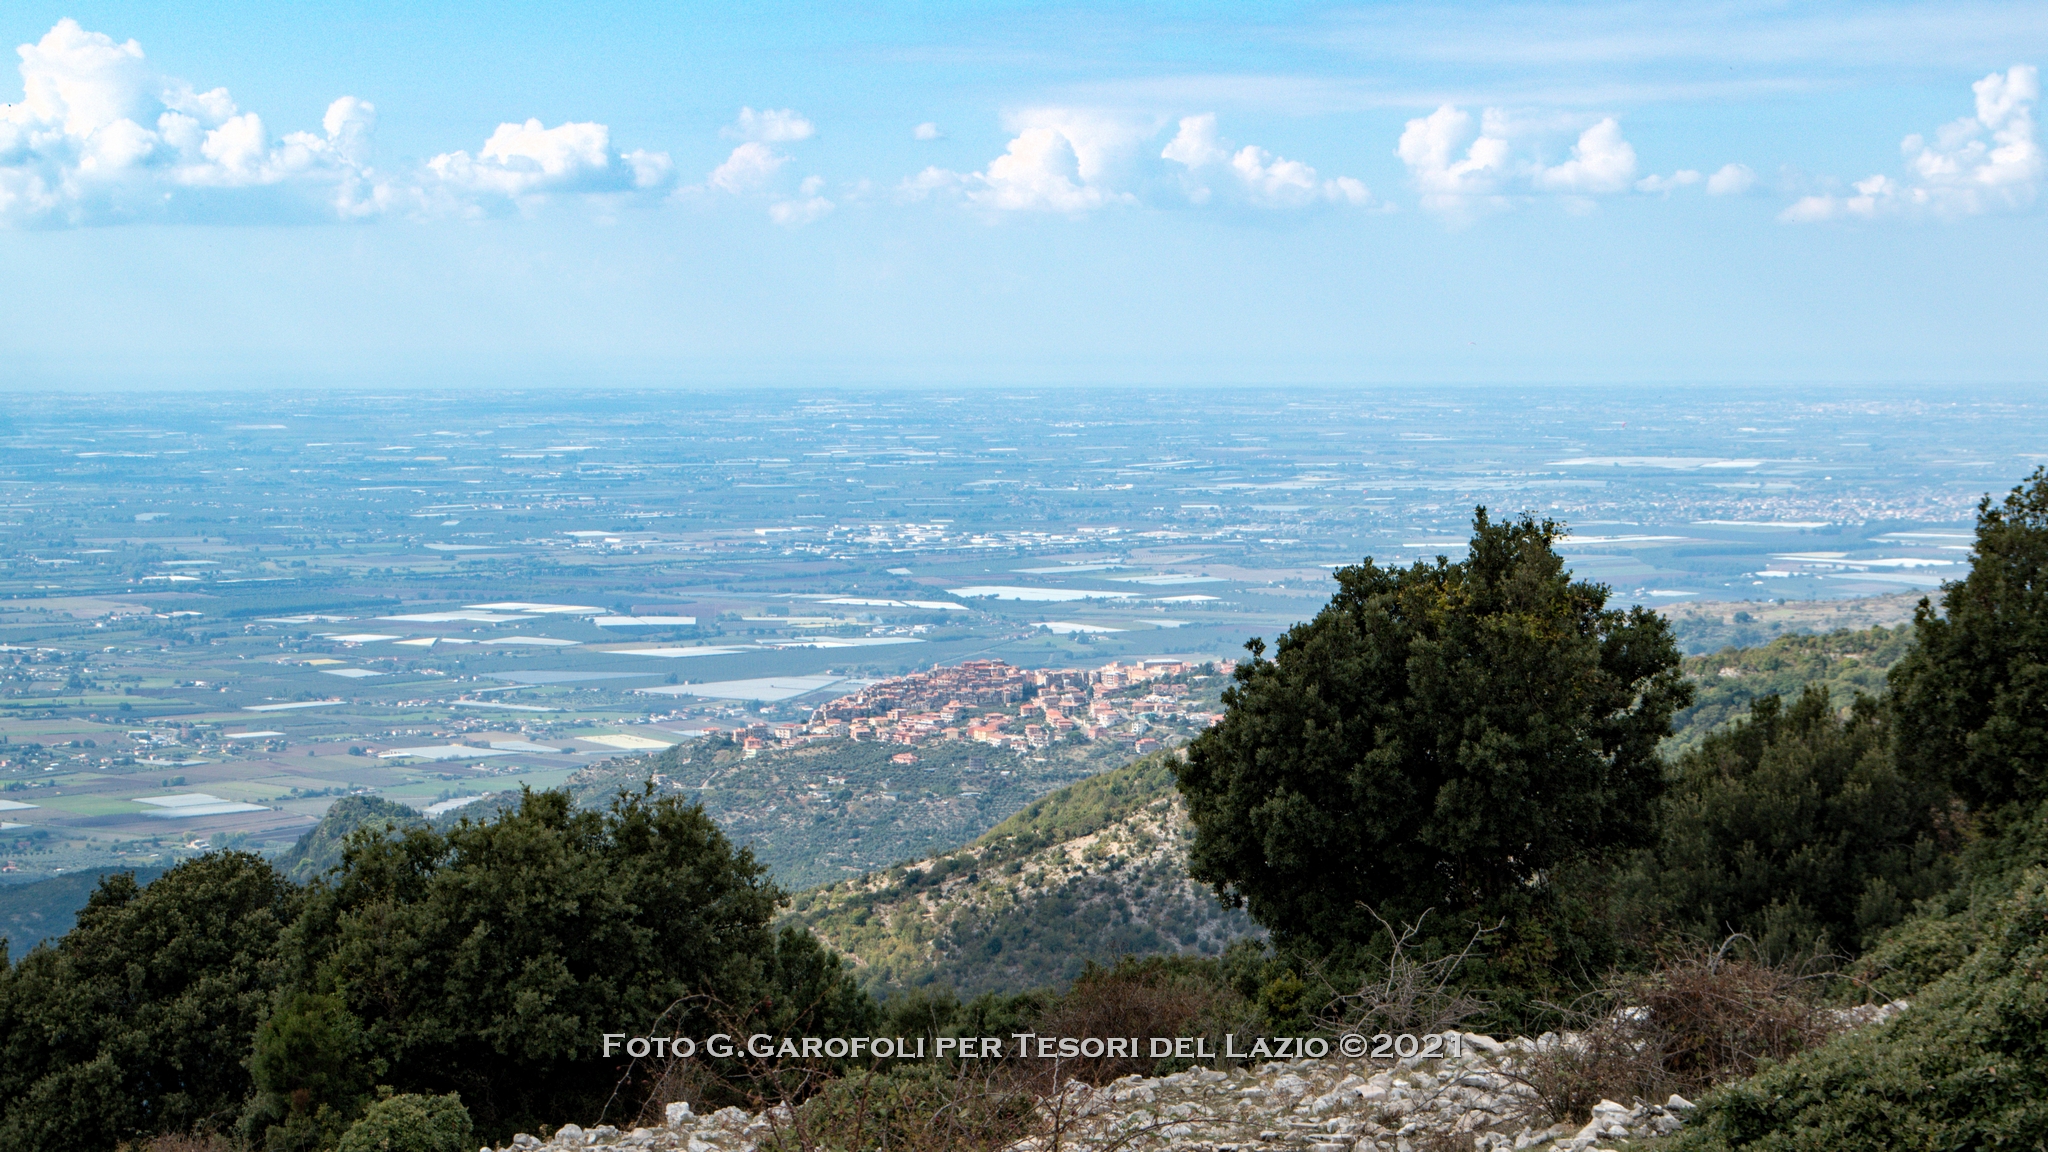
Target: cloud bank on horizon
[100,137]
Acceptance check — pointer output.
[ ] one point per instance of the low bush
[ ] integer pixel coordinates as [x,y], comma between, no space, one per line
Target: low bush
[1965,1067]
[1697,1019]
[408,1123]
[917,1107]
[1154,996]
[1408,994]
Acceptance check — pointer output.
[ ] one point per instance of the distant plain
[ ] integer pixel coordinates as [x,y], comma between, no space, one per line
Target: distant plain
[257,597]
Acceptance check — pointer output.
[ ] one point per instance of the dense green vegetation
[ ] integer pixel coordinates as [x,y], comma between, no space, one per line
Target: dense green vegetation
[1728,682]
[1797,827]
[546,925]
[1457,737]
[481,961]
[413,1123]
[138,1020]
[1972,696]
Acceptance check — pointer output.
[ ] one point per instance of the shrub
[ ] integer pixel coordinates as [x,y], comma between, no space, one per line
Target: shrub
[1154,996]
[313,1071]
[1696,1019]
[1972,697]
[1965,1067]
[408,1123]
[1797,828]
[490,958]
[918,1107]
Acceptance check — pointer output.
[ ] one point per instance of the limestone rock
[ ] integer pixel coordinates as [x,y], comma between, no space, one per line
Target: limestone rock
[1327,1105]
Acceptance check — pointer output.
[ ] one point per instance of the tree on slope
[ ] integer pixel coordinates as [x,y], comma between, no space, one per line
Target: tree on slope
[1797,828]
[136,1022]
[491,958]
[1451,736]
[1971,700]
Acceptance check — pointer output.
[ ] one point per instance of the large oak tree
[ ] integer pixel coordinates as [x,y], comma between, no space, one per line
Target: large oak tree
[1442,737]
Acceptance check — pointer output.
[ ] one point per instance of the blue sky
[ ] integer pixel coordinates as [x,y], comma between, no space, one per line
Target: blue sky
[429,194]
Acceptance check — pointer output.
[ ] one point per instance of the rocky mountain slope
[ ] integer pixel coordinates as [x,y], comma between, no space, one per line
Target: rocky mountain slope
[1094,871]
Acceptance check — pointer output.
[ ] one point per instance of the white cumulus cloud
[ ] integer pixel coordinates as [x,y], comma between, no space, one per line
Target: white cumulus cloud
[1061,160]
[1461,168]
[749,169]
[1455,170]
[1731,180]
[926,131]
[528,162]
[99,137]
[1602,162]
[1041,169]
[1260,177]
[522,158]
[807,206]
[1981,163]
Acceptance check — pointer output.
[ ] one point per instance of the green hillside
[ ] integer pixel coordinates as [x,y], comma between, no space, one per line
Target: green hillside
[822,812]
[320,848]
[1092,872]
[44,909]
[1727,681]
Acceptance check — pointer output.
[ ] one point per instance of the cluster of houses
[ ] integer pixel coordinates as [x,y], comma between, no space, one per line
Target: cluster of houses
[996,703]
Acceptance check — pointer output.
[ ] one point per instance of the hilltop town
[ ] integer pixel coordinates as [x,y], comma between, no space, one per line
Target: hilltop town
[996,703]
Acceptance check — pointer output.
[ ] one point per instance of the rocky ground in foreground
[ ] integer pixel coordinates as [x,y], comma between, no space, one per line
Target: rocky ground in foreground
[1475,1101]
[1481,1099]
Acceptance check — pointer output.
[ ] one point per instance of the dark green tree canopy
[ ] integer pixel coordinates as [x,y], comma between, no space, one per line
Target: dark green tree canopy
[489,959]
[1972,698]
[139,1019]
[1437,737]
[1797,828]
